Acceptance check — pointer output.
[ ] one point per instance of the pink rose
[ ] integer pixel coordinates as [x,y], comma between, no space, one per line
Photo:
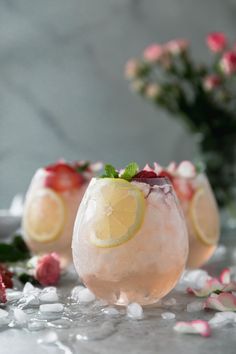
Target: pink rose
[210,82]
[132,69]
[228,62]
[177,46]
[153,53]
[216,41]
[48,269]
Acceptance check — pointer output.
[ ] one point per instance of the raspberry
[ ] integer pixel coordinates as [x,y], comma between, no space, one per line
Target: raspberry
[146,174]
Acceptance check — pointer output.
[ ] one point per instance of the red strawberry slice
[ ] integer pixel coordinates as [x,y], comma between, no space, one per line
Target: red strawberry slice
[145,174]
[62,177]
[183,189]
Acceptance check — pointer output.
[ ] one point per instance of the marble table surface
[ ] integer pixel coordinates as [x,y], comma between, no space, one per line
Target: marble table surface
[91,331]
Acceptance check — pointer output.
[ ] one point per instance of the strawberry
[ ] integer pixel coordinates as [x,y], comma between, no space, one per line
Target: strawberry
[3,297]
[183,189]
[6,276]
[146,174]
[62,177]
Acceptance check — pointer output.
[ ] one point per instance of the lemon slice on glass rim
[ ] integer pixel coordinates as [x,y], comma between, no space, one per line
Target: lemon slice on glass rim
[204,216]
[119,212]
[44,216]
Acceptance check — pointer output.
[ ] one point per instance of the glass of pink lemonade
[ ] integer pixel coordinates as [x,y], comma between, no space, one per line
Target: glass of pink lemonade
[130,241]
[51,205]
[200,209]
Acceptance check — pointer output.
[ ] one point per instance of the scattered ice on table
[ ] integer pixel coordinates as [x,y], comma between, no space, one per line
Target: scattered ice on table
[49,296]
[29,289]
[193,279]
[135,311]
[110,311]
[221,319]
[20,316]
[28,300]
[169,302]
[168,315]
[96,333]
[3,314]
[75,292]
[195,306]
[13,295]
[36,325]
[48,338]
[60,323]
[86,296]
[47,308]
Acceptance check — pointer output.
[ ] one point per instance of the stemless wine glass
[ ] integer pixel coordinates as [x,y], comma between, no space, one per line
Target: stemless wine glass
[51,205]
[130,241]
[202,217]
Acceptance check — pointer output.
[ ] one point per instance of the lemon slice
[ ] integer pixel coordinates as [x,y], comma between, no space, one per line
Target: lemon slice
[44,216]
[204,216]
[118,213]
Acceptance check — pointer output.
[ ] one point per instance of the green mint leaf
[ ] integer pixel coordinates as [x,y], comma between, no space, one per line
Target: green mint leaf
[130,171]
[14,251]
[83,167]
[199,166]
[110,172]
[25,278]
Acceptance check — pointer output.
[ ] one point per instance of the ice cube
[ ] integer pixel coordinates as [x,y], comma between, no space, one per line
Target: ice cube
[3,314]
[221,319]
[13,295]
[45,308]
[195,306]
[36,325]
[170,302]
[29,289]
[49,296]
[110,311]
[86,296]
[135,311]
[145,188]
[20,316]
[75,292]
[48,338]
[29,300]
[193,278]
[168,315]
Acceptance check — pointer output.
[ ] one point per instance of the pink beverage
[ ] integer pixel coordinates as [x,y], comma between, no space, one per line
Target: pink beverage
[130,241]
[51,205]
[200,210]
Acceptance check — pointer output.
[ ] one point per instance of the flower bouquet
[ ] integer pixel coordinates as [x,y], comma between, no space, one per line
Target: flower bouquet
[201,95]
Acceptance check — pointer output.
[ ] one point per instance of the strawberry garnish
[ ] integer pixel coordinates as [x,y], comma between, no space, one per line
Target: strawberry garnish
[3,297]
[146,174]
[183,189]
[164,173]
[62,177]
[6,276]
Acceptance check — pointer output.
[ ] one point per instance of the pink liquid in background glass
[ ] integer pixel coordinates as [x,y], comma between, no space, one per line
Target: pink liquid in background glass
[199,252]
[71,199]
[143,269]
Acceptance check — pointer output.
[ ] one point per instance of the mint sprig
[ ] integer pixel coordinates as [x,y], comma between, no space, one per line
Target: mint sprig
[130,171]
[83,167]
[14,251]
[110,172]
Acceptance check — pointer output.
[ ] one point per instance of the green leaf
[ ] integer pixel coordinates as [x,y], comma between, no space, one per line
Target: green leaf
[25,278]
[83,167]
[110,172]
[130,171]
[14,251]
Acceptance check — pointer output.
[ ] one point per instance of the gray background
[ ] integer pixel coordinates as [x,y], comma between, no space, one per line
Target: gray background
[62,91]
